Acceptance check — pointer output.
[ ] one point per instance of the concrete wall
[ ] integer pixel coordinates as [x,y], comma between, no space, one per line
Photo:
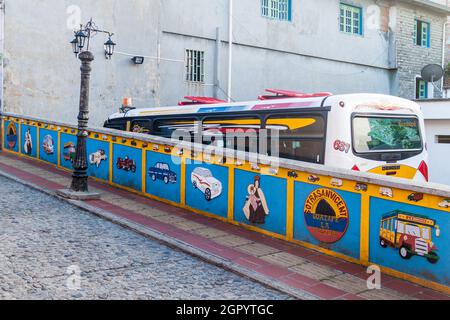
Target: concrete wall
[307,54]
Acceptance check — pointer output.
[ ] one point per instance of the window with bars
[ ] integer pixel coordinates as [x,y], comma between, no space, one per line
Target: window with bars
[422,34]
[277,9]
[350,19]
[195,66]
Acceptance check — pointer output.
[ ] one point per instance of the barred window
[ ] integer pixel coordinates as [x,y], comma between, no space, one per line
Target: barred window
[195,66]
[276,9]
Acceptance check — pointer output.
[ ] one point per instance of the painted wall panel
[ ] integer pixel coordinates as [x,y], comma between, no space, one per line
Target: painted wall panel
[98,159]
[48,144]
[328,218]
[207,188]
[163,176]
[28,140]
[11,134]
[68,150]
[127,167]
[418,233]
[260,201]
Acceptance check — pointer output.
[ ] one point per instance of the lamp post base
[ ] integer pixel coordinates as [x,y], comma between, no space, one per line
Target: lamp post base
[74,195]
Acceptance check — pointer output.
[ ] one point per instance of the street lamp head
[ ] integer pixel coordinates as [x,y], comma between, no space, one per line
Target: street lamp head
[81,37]
[75,47]
[109,48]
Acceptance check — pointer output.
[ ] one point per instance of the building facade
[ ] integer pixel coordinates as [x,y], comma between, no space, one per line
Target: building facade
[304,45]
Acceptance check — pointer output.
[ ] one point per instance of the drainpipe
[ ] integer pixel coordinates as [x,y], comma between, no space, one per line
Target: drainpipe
[444,44]
[230,49]
[217,65]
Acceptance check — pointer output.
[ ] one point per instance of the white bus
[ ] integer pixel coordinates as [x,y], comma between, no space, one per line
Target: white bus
[365,132]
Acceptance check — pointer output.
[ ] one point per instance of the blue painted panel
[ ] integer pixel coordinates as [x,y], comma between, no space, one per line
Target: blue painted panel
[68,149]
[11,135]
[263,206]
[98,159]
[415,265]
[328,218]
[29,135]
[48,141]
[163,176]
[127,167]
[203,180]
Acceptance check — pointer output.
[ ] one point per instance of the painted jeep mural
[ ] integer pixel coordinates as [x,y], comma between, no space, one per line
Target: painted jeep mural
[126,164]
[161,171]
[411,234]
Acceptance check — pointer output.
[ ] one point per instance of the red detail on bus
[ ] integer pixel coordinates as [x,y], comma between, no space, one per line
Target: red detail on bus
[355,168]
[200,100]
[284,105]
[423,169]
[285,94]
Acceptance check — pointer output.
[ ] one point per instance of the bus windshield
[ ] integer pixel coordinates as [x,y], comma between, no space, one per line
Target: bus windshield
[378,134]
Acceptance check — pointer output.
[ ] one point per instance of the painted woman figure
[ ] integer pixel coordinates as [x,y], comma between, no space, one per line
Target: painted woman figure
[28,146]
[256,208]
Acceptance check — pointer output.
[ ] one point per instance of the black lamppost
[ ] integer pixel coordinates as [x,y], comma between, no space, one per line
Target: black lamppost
[80,47]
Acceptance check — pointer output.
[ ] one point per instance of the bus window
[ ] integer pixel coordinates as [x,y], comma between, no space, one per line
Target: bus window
[238,132]
[413,230]
[141,126]
[302,137]
[381,134]
[166,127]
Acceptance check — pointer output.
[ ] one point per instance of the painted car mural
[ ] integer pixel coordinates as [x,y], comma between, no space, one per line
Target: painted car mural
[48,145]
[69,152]
[28,145]
[126,164]
[203,180]
[11,136]
[411,234]
[256,208]
[161,171]
[97,157]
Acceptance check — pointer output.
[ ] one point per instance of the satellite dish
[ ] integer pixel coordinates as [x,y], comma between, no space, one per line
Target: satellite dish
[432,73]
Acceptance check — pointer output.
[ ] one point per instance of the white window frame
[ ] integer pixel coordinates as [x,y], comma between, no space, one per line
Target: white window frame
[277,9]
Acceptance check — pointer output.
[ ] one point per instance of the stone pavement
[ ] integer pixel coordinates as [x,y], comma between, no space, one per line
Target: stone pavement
[50,249]
[302,273]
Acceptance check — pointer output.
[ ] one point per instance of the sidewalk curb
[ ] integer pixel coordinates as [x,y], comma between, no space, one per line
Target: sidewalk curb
[172,243]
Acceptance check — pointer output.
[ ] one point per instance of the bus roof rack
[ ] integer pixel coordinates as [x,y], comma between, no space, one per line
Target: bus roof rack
[285,94]
[199,100]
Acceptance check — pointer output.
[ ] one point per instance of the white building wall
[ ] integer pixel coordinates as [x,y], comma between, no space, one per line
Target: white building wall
[437,122]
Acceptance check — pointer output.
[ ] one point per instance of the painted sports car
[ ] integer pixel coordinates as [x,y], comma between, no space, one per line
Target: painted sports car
[126,164]
[161,171]
[203,180]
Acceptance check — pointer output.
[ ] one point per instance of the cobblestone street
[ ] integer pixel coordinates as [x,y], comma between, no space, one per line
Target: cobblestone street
[43,239]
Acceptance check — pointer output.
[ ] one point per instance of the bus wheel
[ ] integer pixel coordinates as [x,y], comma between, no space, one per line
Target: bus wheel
[194,184]
[154,177]
[383,243]
[433,258]
[404,253]
[166,180]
